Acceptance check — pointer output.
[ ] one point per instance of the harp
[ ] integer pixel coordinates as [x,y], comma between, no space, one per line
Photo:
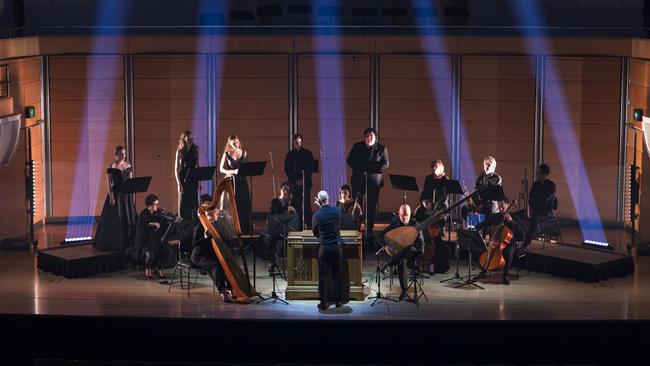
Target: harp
[226,232]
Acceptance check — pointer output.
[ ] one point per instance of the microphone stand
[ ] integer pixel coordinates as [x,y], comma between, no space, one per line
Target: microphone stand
[304,222]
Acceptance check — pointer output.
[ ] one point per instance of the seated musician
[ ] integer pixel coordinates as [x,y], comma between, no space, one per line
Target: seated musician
[400,259]
[349,207]
[496,219]
[279,206]
[433,235]
[204,256]
[150,229]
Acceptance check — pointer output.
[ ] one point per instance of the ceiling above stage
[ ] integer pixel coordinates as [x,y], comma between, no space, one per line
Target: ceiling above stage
[626,18]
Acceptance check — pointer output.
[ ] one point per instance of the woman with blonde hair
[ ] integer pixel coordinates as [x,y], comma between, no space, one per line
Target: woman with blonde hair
[185,164]
[232,158]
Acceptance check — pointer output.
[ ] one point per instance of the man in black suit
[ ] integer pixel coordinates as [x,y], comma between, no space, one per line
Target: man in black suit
[297,161]
[368,159]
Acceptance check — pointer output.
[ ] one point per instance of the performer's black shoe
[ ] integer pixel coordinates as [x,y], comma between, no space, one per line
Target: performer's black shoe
[338,304]
[506,280]
[322,306]
[483,274]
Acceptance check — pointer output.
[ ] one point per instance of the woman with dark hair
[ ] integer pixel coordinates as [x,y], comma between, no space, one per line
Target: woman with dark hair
[116,229]
[151,228]
[185,164]
[232,158]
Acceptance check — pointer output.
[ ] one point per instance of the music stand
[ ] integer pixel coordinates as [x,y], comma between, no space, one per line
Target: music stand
[251,169]
[286,222]
[405,183]
[470,240]
[450,186]
[205,172]
[492,193]
[135,186]
[273,223]
[314,169]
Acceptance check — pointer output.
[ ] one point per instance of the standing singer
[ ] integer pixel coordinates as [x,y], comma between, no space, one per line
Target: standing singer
[368,159]
[297,161]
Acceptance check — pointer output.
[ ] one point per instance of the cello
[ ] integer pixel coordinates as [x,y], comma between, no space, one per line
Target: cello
[492,259]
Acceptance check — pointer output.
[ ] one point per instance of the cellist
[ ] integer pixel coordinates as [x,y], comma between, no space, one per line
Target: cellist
[502,217]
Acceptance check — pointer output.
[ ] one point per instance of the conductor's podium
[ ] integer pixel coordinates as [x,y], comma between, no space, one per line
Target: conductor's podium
[302,267]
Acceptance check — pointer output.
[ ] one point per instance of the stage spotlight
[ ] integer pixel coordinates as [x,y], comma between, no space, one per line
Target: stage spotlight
[638,114]
[597,244]
[76,240]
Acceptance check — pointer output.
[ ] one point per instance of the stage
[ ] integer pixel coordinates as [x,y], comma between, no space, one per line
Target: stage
[542,318]
[530,296]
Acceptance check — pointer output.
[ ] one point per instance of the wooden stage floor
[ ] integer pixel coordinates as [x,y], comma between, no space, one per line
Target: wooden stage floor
[534,296]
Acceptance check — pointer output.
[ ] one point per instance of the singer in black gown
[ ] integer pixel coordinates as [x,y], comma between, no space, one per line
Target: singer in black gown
[116,229]
[187,161]
[233,157]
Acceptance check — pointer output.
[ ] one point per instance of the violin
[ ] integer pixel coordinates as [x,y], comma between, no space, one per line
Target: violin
[492,259]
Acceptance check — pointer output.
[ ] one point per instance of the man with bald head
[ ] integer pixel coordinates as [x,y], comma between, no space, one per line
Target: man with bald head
[326,226]
[400,259]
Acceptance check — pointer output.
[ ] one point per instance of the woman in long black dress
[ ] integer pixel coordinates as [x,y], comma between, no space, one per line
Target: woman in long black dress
[116,229]
[233,157]
[185,164]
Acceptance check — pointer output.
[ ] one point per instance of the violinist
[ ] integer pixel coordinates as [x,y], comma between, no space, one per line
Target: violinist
[502,217]
[204,256]
[151,228]
[279,206]
[282,205]
[348,205]
[432,189]
[400,259]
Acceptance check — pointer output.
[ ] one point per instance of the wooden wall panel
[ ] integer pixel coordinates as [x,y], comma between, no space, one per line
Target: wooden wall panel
[25,79]
[347,75]
[87,122]
[170,96]
[498,117]
[572,102]
[413,121]
[254,104]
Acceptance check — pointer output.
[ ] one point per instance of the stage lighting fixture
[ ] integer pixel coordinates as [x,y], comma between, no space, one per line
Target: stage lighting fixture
[597,244]
[76,240]
[364,12]
[638,114]
[269,10]
[299,9]
[30,111]
[330,11]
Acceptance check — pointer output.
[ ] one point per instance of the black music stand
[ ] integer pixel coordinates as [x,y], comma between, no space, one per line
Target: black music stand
[251,169]
[283,222]
[472,241]
[205,172]
[450,186]
[135,186]
[314,169]
[286,223]
[405,183]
